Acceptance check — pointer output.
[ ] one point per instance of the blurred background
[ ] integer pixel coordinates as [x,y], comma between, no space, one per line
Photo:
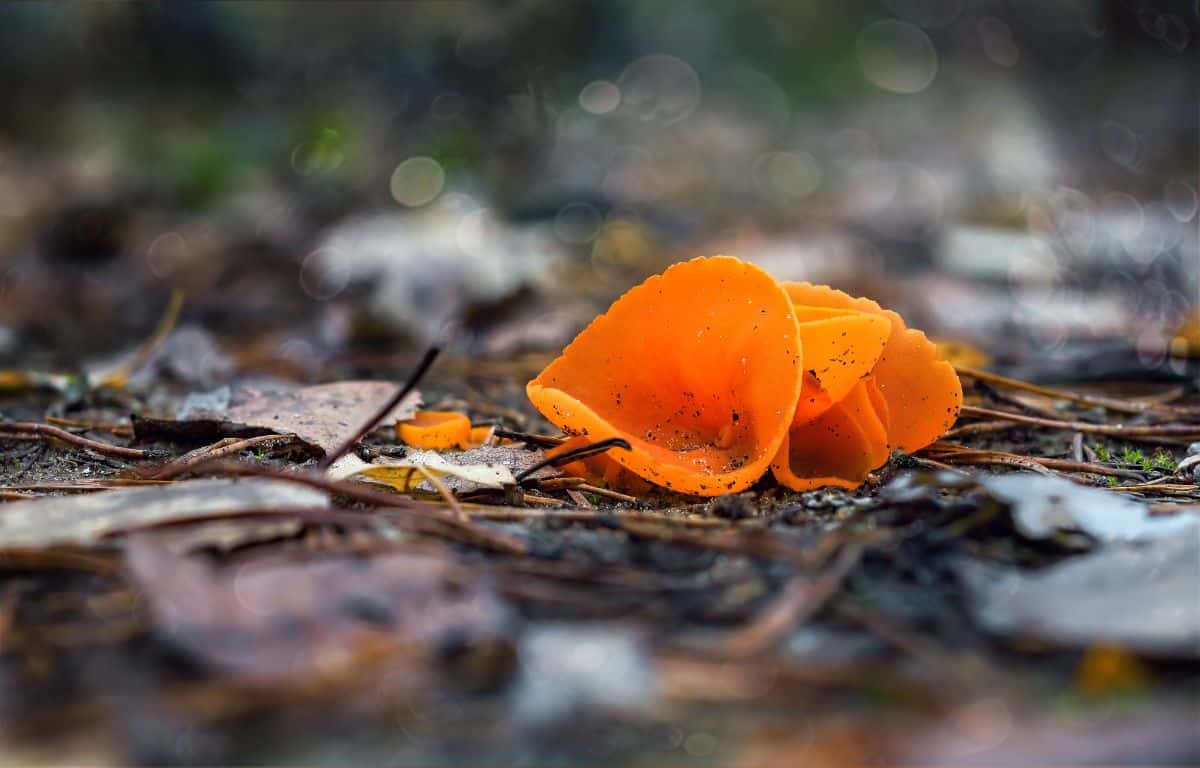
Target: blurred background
[332,181]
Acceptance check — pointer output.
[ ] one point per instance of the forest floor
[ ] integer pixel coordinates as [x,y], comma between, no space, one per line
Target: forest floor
[181,584]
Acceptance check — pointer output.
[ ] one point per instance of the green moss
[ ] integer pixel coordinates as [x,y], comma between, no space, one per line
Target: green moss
[1164,461]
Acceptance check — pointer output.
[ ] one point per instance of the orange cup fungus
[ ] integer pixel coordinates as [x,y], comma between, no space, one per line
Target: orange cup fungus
[714,372]
[441,430]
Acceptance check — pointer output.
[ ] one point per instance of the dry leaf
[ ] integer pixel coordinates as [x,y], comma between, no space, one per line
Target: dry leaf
[56,520]
[323,416]
[407,474]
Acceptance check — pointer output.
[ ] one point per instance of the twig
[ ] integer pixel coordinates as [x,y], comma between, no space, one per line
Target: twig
[579,499]
[587,488]
[545,501]
[900,636]
[66,558]
[170,316]
[559,483]
[27,430]
[955,455]
[932,464]
[1180,489]
[408,386]
[1111,430]
[229,446]
[799,601]
[1111,403]
[979,427]
[541,441]
[582,452]
[120,430]
[445,492]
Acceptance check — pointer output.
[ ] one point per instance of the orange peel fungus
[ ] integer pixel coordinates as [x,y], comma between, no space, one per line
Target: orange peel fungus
[714,372]
[698,368]
[441,430]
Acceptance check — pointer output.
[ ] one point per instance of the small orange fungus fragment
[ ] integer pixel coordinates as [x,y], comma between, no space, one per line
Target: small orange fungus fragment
[441,430]
[698,368]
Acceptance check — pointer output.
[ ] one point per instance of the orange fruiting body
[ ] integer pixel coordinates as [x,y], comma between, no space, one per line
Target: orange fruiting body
[698,368]
[441,430]
[923,393]
[714,372]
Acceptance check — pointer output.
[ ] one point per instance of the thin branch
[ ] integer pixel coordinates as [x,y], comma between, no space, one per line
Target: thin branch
[582,452]
[166,323]
[953,454]
[120,430]
[401,393]
[1111,403]
[615,495]
[221,449]
[445,492]
[1111,430]
[799,601]
[28,430]
[978,428]
[541,441]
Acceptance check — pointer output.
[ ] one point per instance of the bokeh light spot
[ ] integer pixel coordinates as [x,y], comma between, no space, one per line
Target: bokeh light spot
[788,176]
[577,223]
[323,275]
[660,88]
[896,56]
[600,97]
[1180,199]
[997,40]
[166,254]
[417,181]
[322,154]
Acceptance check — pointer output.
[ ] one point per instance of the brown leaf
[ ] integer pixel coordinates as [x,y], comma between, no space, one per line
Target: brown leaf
[323,416]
